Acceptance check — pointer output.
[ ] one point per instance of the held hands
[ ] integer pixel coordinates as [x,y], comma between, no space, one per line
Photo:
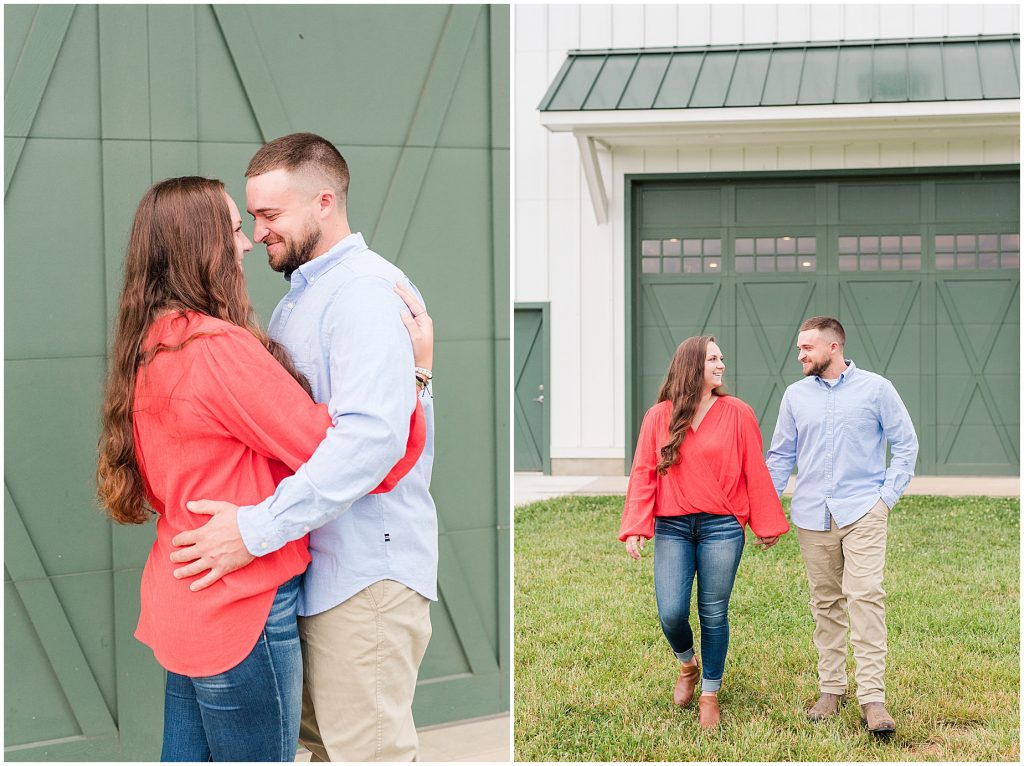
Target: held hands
[420,326]
[635,544]
[766,542]
[216,546]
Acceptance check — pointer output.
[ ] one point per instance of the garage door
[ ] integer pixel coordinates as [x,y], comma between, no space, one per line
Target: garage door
[923,271]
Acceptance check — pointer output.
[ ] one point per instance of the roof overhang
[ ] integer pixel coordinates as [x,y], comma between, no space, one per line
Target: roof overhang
[775,125]
[774,94]
[789,124]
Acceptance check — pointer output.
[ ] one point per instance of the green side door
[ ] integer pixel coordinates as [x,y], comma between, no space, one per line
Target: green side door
[531,389]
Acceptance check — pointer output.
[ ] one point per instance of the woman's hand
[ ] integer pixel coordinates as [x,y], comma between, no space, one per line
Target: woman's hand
[766,542]
[420,326]
[635,544]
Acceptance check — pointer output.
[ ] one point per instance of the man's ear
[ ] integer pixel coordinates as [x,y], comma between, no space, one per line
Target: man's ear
[326,202]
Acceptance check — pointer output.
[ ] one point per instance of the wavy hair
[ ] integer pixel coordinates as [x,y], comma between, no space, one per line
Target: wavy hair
[683,386]
[180,257]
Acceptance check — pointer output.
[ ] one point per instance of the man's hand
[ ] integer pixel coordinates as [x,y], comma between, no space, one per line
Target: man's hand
[217,545]
[766,542]
[634,544]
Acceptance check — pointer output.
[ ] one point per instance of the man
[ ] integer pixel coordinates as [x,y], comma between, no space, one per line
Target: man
[834,425]
[364,612]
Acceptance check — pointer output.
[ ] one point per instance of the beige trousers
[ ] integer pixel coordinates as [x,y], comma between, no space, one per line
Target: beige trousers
[844,569]
[360,661]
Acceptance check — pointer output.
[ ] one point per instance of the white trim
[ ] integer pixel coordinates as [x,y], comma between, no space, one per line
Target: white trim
[628,120]
[943,120]
[595,182]
[819,125]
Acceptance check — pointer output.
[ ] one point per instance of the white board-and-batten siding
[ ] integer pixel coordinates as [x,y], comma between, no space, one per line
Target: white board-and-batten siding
[562,256]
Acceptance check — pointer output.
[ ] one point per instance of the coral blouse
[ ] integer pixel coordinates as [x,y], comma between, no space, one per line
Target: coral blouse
[720,470]
[220,419]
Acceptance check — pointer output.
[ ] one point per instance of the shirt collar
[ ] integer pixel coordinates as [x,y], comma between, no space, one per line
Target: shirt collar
[313,269]
[851,368]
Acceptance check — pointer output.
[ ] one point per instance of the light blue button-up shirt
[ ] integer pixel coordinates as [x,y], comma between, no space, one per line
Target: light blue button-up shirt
[836,435]
[340,323]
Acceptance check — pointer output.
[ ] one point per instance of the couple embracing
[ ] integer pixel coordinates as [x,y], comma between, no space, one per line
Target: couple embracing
[288,472]
[699,478]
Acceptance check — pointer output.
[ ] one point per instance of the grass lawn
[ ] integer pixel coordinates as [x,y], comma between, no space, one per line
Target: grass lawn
[594,674]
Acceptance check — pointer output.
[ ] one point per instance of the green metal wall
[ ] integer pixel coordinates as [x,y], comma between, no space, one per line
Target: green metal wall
[102,101]
[922,270]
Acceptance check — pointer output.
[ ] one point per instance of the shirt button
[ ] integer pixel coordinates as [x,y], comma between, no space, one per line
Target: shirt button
[305,528]
[291,305]
[312,279]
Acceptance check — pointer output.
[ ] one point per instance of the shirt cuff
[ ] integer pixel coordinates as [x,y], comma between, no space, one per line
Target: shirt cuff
[889,497]
[257,531]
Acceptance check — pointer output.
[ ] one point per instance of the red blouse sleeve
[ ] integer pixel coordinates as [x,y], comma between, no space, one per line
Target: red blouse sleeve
[642,492]
[246,391]
[413,450]
[767,518]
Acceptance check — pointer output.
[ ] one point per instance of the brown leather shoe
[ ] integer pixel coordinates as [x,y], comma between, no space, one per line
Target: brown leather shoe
[877,719]
[682,694]
[826,706]
[708,713]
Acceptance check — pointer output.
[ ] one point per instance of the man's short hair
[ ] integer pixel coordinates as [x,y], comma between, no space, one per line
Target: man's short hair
[826,324]
[303,152]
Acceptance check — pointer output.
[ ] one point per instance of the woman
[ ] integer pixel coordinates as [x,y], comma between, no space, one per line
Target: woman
[201,403]
[698,478]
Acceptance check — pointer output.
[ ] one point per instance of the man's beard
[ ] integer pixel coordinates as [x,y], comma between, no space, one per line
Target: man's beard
[818,368]
[297,255]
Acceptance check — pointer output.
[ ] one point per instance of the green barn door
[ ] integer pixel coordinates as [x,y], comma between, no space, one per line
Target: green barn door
[780,277]
[531,389]
[922,271]
[102,101]
[975,292]
[714,260]
[876,240]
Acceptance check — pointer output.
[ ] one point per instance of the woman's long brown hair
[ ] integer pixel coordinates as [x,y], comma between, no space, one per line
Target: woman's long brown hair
[180,257]
[683,386]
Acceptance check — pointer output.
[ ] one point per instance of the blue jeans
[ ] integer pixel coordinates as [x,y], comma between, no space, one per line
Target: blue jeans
[708,546]
[248,713]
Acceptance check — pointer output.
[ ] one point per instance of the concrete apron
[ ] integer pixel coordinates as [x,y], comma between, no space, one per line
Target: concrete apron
[530,487]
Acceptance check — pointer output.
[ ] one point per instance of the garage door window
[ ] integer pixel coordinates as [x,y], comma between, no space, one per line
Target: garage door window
[776,254]
[885,252]
[977,252]
[681,255]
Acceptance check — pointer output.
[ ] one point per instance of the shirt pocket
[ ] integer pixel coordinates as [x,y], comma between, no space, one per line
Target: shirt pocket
[862,421]
[309,372]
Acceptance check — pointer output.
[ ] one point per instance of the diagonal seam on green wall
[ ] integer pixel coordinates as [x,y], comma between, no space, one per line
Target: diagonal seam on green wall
[469,628]
[31,75]
[257,80]
[51,625]
[406,183]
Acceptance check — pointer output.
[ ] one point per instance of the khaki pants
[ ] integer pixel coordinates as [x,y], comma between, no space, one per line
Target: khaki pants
[360,661]
[844,570]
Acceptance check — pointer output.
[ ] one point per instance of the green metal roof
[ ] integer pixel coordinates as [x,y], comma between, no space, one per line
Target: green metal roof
[785,74]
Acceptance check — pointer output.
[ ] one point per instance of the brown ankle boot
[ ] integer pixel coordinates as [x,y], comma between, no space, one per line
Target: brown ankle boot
[708,713]
[682,694]
[826,706]
[877,719]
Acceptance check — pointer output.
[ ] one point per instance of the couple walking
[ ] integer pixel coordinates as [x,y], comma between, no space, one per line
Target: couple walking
[699,478]
[289,474]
